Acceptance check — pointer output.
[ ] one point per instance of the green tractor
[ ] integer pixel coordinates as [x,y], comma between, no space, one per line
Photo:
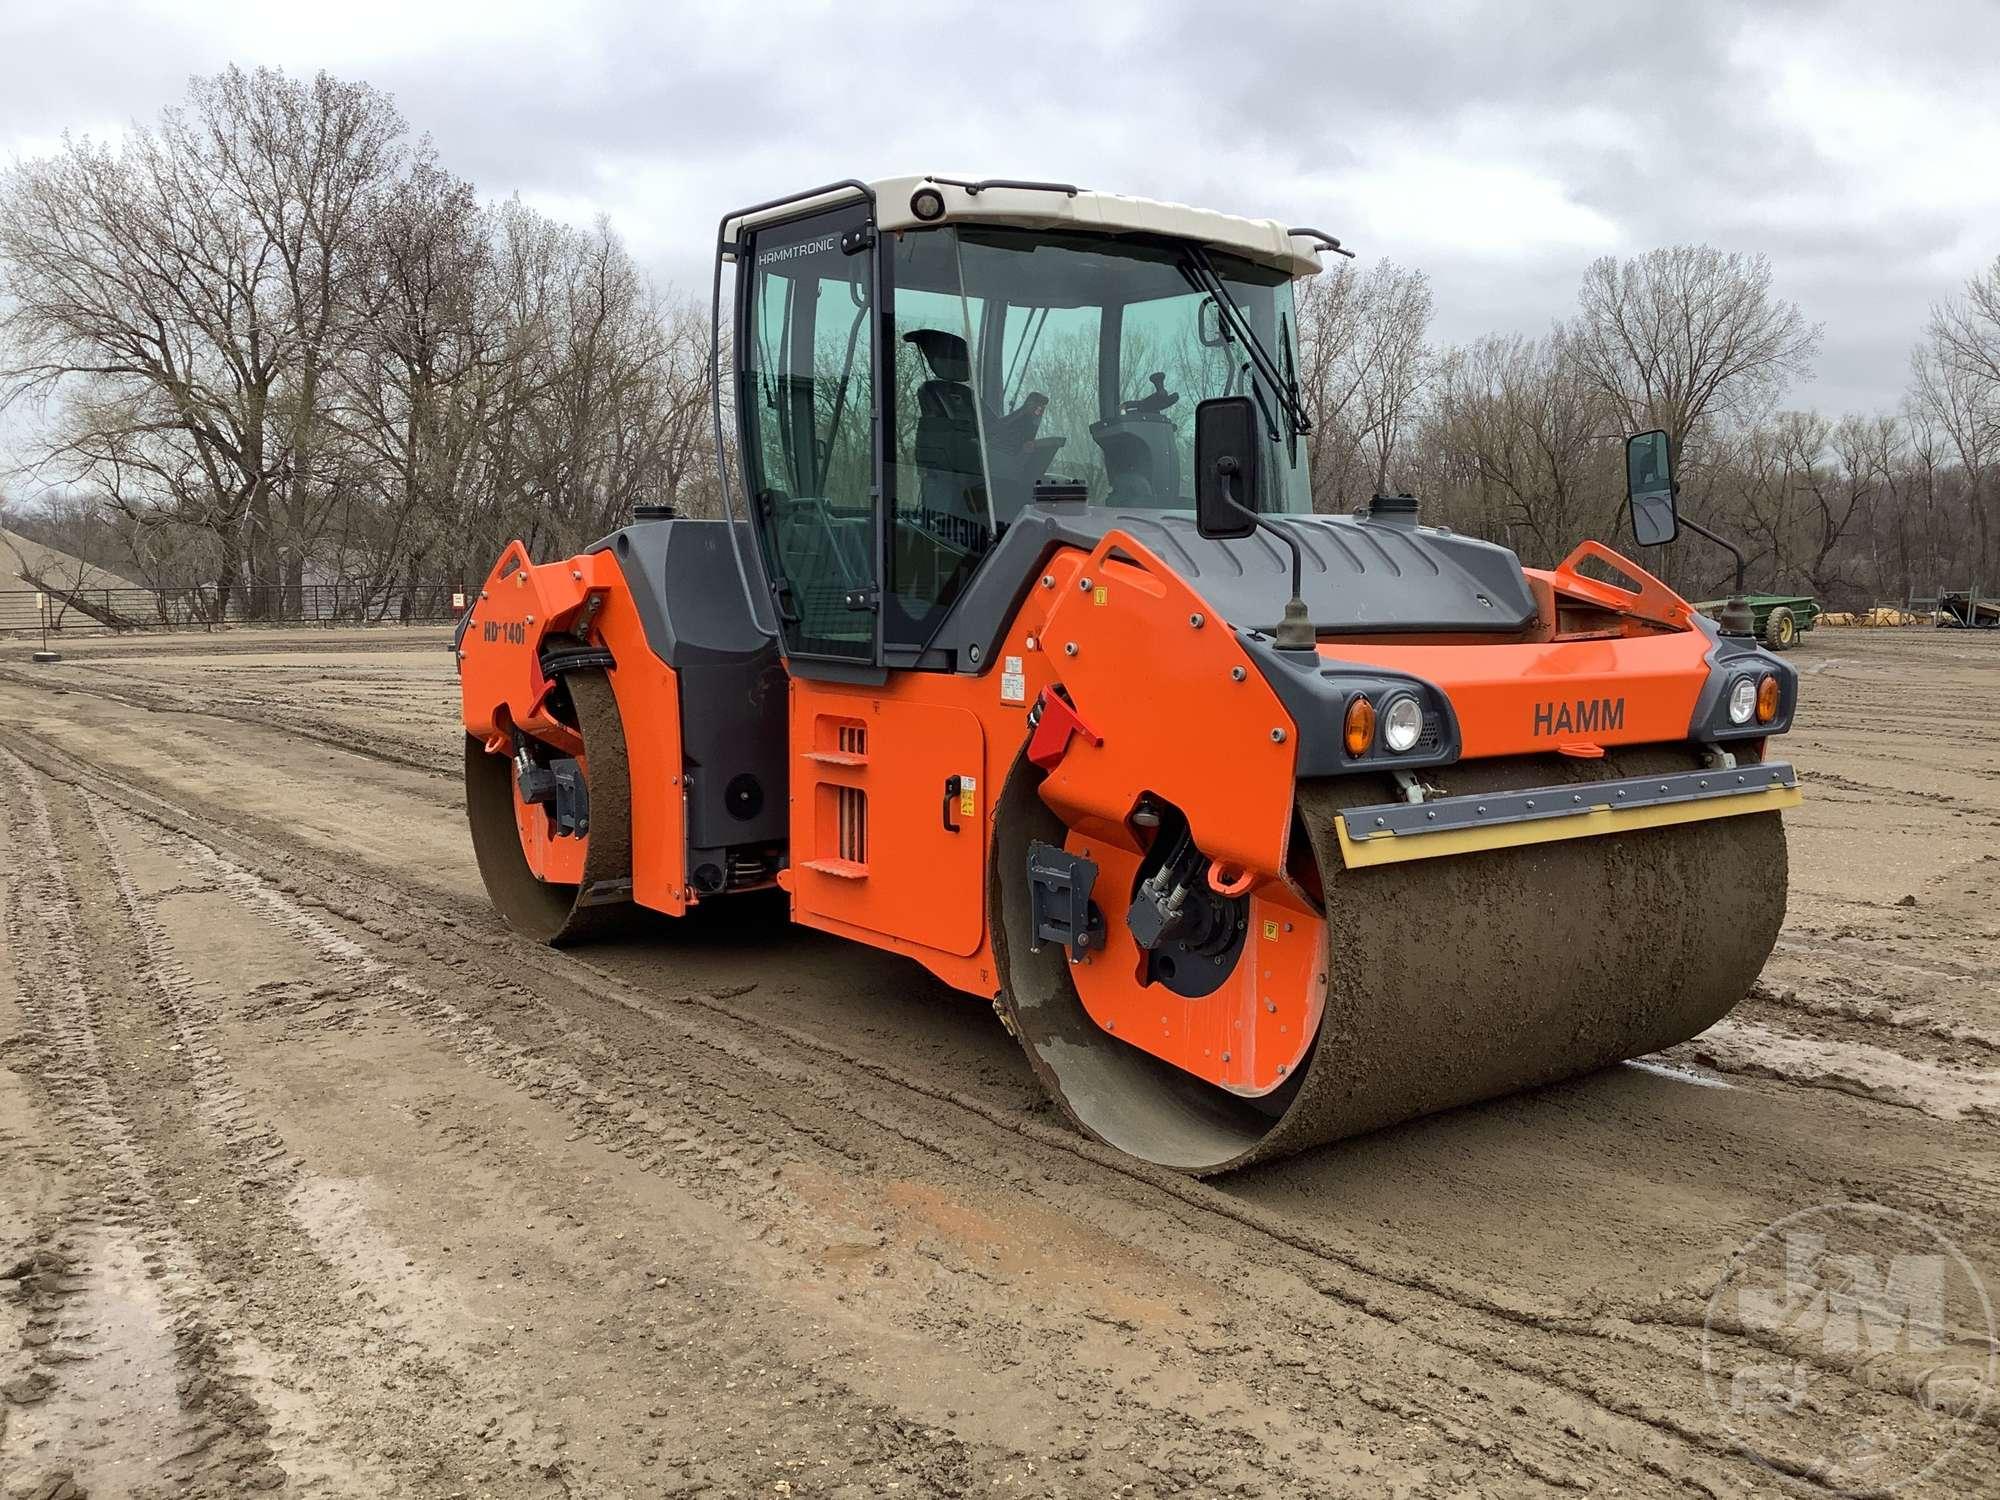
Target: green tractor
[1780,618]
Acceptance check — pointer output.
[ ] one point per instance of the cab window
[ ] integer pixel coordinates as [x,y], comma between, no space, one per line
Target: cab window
[807,397]
[941,512]
[1048,378]
[1105,347]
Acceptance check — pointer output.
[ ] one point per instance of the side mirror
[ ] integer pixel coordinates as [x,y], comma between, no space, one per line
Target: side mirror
[1649,488]
[1227,446]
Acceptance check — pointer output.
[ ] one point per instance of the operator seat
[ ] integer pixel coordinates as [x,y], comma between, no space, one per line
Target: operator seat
[1141,448]
[946,448]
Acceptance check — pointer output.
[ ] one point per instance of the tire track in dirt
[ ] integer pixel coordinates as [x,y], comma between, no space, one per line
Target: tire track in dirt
[322,1333]
[1743,1049]
[290,721]
[365,1347]
[218,1437]
[351,1342]
[714,1152]
[612,1129]
[251,640]
[1339,1288]
[1879,1016]
[1847,949]
[926,1138]
[315,1395]
[757,1025]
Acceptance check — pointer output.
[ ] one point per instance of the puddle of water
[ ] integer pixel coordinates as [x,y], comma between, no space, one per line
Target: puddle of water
[1679,1075]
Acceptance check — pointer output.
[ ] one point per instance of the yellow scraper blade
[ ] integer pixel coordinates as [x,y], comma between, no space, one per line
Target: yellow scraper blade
[1391,848]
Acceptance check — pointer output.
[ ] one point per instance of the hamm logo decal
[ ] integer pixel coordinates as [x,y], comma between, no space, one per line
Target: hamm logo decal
[1584,716]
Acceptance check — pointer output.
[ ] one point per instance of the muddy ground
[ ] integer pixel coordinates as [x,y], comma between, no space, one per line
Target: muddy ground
[313,1180]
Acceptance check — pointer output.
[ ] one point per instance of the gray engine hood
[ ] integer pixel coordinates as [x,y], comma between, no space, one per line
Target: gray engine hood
[1360,576]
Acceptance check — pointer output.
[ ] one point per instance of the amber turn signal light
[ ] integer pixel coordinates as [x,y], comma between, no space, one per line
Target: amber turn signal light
[1767,699]
[1359,731]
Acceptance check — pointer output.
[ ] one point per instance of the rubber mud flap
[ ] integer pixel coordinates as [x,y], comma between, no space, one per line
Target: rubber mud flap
[1450,980]
[543,910]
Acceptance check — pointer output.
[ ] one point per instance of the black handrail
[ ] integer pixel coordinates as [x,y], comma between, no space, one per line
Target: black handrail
[1331,242]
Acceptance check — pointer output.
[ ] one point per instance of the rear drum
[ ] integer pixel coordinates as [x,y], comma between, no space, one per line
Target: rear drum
[552,911]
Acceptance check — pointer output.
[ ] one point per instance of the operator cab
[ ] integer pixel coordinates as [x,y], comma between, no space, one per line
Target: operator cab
[919,362]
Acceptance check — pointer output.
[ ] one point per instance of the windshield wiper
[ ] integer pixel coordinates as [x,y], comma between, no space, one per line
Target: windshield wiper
[1200,270]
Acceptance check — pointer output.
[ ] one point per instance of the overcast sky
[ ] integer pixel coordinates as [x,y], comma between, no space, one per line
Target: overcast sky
[1499,146]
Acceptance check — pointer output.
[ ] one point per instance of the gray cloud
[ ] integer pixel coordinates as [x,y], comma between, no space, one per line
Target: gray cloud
[1498,146]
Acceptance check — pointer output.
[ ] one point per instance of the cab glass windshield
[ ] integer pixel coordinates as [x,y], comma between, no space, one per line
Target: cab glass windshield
[1033,365]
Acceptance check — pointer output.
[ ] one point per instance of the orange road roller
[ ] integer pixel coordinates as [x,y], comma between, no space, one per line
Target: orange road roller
[1019,652]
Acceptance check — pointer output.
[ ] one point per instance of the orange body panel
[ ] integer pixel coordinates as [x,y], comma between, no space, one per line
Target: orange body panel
[911,869]
[871,845]
[1166,719]
[1249,1034]
[501,686]
[553,857]
[1647,602]
[1154,674]
[1540,696]
[1635,682]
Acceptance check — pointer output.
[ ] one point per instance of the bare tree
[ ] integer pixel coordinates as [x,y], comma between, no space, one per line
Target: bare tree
[427,373]
[304,162]
[179,297]
[1364,359]
[1330,330]
[1964,331]
[1685,334]
[1919,524]
[272,341]
[1401,359]
[1529,430]
[1956,381]
[1825,476]
[686,442]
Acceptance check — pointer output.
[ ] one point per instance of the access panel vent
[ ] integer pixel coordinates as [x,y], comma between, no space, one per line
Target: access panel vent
[853,813]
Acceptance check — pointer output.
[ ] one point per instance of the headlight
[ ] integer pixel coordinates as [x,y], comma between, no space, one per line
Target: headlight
[1402,724]
[1742,700]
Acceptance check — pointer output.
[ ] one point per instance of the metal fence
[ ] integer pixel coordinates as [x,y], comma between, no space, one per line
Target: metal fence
[201,607]
[1972,608]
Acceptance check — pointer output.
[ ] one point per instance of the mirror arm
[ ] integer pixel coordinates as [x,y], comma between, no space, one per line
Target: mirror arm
[1737,617]
[1295,632]
[1721,541]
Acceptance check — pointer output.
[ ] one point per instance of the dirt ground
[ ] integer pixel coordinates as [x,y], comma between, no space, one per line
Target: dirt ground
[314,1180]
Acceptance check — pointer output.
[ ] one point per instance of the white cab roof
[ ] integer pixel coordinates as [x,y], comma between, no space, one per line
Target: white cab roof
[1264,242]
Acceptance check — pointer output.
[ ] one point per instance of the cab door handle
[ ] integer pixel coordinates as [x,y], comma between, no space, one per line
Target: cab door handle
[951,788]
